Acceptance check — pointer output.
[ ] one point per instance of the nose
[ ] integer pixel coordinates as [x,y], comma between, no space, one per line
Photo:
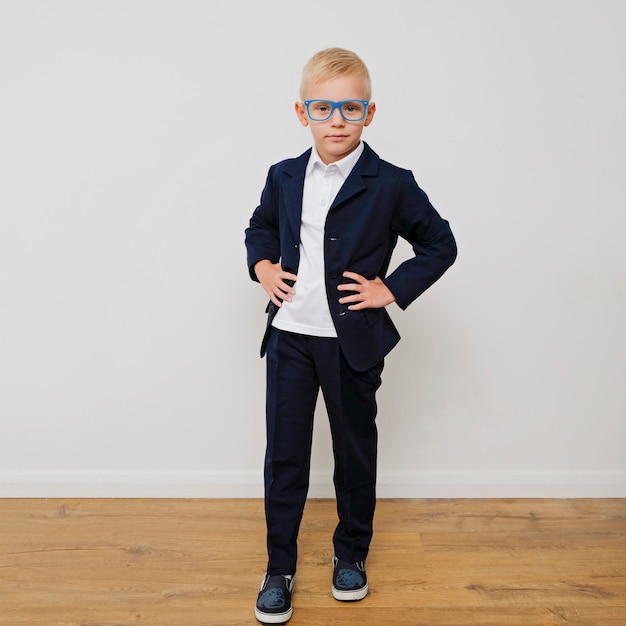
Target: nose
[336,119]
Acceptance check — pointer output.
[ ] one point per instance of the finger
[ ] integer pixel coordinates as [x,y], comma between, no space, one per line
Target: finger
[354,276]
[279,292]
[358,297]
[274,299]
[284,295]
[350,287]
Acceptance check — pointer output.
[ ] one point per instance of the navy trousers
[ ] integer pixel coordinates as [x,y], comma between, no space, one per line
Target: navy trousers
[297,367]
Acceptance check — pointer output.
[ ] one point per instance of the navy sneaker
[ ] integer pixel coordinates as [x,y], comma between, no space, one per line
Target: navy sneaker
[273,606]
[349,580]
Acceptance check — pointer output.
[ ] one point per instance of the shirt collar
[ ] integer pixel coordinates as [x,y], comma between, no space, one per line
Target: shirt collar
[344,165]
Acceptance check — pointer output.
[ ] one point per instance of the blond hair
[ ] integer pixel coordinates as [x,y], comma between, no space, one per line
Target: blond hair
[334,62]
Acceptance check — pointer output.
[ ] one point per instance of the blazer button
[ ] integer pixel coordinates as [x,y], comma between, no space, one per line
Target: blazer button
[341,314]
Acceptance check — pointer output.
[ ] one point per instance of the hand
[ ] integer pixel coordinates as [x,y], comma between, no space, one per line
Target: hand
[272,279]
[371,294]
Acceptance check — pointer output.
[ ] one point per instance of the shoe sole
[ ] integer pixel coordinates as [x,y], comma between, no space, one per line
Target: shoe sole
[350,596]
[273,618]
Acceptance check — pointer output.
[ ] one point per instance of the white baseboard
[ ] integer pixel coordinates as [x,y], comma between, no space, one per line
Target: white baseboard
[245,484]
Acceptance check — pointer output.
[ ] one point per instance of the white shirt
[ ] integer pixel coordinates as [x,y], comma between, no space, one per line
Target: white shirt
[308,312]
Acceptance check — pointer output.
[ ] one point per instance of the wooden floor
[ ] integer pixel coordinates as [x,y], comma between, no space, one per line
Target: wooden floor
[199,562]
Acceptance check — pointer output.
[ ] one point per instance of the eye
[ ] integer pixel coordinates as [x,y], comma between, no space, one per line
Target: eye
[353,107]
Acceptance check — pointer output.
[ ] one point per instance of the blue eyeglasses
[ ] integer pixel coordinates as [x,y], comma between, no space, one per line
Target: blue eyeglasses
[322,110]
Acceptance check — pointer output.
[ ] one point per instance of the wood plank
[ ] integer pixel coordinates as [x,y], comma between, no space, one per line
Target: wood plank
[182,562]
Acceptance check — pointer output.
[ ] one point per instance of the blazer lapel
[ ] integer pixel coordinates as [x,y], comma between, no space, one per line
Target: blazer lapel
[367,165]
[293,188]
[293,185]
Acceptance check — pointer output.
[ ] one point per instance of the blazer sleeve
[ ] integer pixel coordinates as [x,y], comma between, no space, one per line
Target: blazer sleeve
[417,221]
[262,237]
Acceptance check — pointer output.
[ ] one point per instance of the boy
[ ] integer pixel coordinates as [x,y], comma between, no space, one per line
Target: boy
[320,243]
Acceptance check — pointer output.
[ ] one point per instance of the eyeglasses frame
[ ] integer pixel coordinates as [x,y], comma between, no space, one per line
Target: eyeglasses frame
[337,105]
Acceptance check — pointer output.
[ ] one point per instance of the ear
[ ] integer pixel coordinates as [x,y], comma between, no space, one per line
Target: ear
[369,116]
[301,113]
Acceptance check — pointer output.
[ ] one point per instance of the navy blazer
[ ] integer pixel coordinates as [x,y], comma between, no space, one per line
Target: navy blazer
[377,203]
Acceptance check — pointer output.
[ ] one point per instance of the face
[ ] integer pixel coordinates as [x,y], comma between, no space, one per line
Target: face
[335,138]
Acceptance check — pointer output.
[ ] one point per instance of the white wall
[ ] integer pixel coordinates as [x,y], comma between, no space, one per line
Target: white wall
[134,142]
